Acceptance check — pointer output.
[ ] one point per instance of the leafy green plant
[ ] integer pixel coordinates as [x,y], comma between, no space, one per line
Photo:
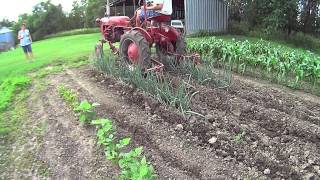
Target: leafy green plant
[86,111]
[69,96]
[106,138]
[239,137]
[132,165]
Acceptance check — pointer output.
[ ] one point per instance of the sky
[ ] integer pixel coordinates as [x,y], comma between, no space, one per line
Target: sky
[11,9]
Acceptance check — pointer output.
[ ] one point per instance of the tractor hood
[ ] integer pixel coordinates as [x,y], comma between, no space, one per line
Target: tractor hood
[114,20]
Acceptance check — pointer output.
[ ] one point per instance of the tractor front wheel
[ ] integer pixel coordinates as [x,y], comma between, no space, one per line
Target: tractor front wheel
[135,50]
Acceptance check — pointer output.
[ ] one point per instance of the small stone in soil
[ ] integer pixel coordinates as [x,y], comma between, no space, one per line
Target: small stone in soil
[193,119]
[179,127]
[267,171]
[309,176]
[212,140]
[209,117]
[317,169]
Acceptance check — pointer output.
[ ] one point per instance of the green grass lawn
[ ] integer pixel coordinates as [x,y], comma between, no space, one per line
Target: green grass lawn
[62,49]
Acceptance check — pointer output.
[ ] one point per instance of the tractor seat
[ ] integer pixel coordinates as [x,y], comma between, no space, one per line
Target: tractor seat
[162,18]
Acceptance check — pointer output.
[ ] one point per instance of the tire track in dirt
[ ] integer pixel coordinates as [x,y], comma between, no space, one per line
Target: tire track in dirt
[68,149]
[173,155]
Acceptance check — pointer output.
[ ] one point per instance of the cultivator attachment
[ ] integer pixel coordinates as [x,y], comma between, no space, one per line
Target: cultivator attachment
[157,63]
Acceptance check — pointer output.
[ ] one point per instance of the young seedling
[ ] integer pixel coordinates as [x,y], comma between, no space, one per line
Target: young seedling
[131,164]
[86,111]
[68,95]
[239,137]
[106,138]
[134,167]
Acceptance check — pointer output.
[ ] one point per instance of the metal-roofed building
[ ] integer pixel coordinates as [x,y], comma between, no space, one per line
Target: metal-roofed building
[6,39]
[198,15]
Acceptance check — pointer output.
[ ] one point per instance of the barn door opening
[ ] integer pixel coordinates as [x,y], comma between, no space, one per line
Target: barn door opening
[178,10]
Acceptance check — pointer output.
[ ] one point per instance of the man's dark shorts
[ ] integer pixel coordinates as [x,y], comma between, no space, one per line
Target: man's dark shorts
[150,13]
[27,49]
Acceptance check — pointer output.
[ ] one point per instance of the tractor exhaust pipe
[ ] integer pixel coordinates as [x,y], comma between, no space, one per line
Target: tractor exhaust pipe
[108,9]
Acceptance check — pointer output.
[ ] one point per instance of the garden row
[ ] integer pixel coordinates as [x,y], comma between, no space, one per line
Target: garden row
[275,60]
[173,91]
[132,164]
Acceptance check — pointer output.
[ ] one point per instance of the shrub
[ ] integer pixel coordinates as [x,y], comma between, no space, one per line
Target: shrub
[239,28]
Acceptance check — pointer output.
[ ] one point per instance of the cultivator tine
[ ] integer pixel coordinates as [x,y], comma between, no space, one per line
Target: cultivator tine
[195,58]
[158,69]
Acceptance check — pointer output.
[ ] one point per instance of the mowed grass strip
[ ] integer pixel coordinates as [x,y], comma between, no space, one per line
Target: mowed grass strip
[62,49]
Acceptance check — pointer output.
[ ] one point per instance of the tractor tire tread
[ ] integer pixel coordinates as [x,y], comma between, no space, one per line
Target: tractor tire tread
[145,52]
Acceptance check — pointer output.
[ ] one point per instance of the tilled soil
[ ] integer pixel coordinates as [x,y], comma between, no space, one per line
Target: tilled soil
[249,131]
[68,148]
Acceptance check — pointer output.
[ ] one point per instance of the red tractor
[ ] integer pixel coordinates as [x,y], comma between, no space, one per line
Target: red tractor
[136,42]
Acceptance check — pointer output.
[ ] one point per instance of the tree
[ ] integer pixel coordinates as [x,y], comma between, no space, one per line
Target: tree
[94,9]
[76,18]
[283,16]
[46,19]
[6,23]
[309,15]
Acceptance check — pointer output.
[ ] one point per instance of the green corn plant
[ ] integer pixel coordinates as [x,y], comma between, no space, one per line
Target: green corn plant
[86,111]
[275,60]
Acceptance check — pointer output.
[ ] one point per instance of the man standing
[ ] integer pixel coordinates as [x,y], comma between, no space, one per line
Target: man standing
[25,42]
[154,8]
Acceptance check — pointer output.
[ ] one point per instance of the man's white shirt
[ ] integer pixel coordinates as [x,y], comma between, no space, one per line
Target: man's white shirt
[167,6]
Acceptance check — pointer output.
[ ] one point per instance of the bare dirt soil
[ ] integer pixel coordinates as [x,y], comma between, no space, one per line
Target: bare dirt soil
[250,130]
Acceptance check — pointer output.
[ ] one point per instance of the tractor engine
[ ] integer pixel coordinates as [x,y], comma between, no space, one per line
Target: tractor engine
[112,28]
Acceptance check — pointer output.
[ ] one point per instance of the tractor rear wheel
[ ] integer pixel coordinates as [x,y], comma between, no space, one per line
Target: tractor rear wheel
[135,50]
